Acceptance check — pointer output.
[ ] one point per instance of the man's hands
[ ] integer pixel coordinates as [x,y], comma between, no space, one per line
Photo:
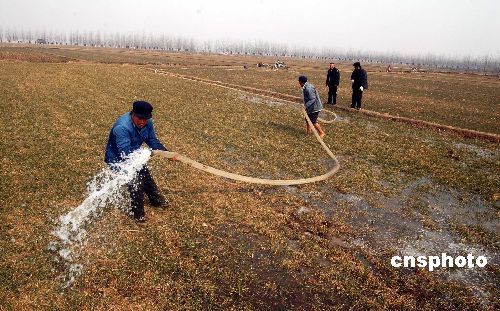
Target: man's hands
[361,88]
[172,156]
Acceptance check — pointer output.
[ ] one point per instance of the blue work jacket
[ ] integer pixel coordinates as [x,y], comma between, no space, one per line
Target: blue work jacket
[125,138]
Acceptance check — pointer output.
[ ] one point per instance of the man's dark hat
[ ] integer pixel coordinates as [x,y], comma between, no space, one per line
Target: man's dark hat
[142,109]
[356,64]
[302,79]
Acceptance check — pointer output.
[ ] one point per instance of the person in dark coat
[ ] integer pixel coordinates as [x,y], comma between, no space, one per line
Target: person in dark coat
[332,82]
[359,80]
[129,132]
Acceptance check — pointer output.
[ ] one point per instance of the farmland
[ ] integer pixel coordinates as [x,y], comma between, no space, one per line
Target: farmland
[400,190]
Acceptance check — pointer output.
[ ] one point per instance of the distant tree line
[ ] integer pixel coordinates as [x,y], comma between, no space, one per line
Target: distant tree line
[487,64]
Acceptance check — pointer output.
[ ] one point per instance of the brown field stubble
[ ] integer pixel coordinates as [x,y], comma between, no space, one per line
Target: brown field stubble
[222,244]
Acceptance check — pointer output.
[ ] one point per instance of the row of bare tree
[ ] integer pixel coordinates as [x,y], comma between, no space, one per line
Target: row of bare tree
[487,64]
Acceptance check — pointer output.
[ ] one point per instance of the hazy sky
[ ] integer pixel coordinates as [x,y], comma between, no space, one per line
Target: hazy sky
[452,28]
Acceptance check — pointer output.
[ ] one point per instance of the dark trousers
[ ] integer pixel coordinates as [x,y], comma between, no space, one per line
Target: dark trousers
[143,183]
[332,95]
[356,98]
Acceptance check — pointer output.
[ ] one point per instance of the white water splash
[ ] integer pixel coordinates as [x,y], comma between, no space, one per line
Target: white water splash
[104,190]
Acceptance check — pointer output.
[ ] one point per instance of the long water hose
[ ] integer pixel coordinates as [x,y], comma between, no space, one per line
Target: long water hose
[276,182]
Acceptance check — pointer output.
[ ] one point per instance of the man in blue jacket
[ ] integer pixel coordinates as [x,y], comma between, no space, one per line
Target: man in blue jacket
[127,135]
[312,104]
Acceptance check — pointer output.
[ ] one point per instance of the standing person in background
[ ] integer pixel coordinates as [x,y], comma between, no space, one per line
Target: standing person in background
[332,82]
[359,80]
[312,105]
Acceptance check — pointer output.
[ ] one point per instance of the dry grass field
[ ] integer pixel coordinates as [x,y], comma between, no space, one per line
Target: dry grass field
[400,190]
[461,100]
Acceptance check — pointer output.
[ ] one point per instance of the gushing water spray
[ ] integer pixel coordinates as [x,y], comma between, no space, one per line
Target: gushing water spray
[104,190]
